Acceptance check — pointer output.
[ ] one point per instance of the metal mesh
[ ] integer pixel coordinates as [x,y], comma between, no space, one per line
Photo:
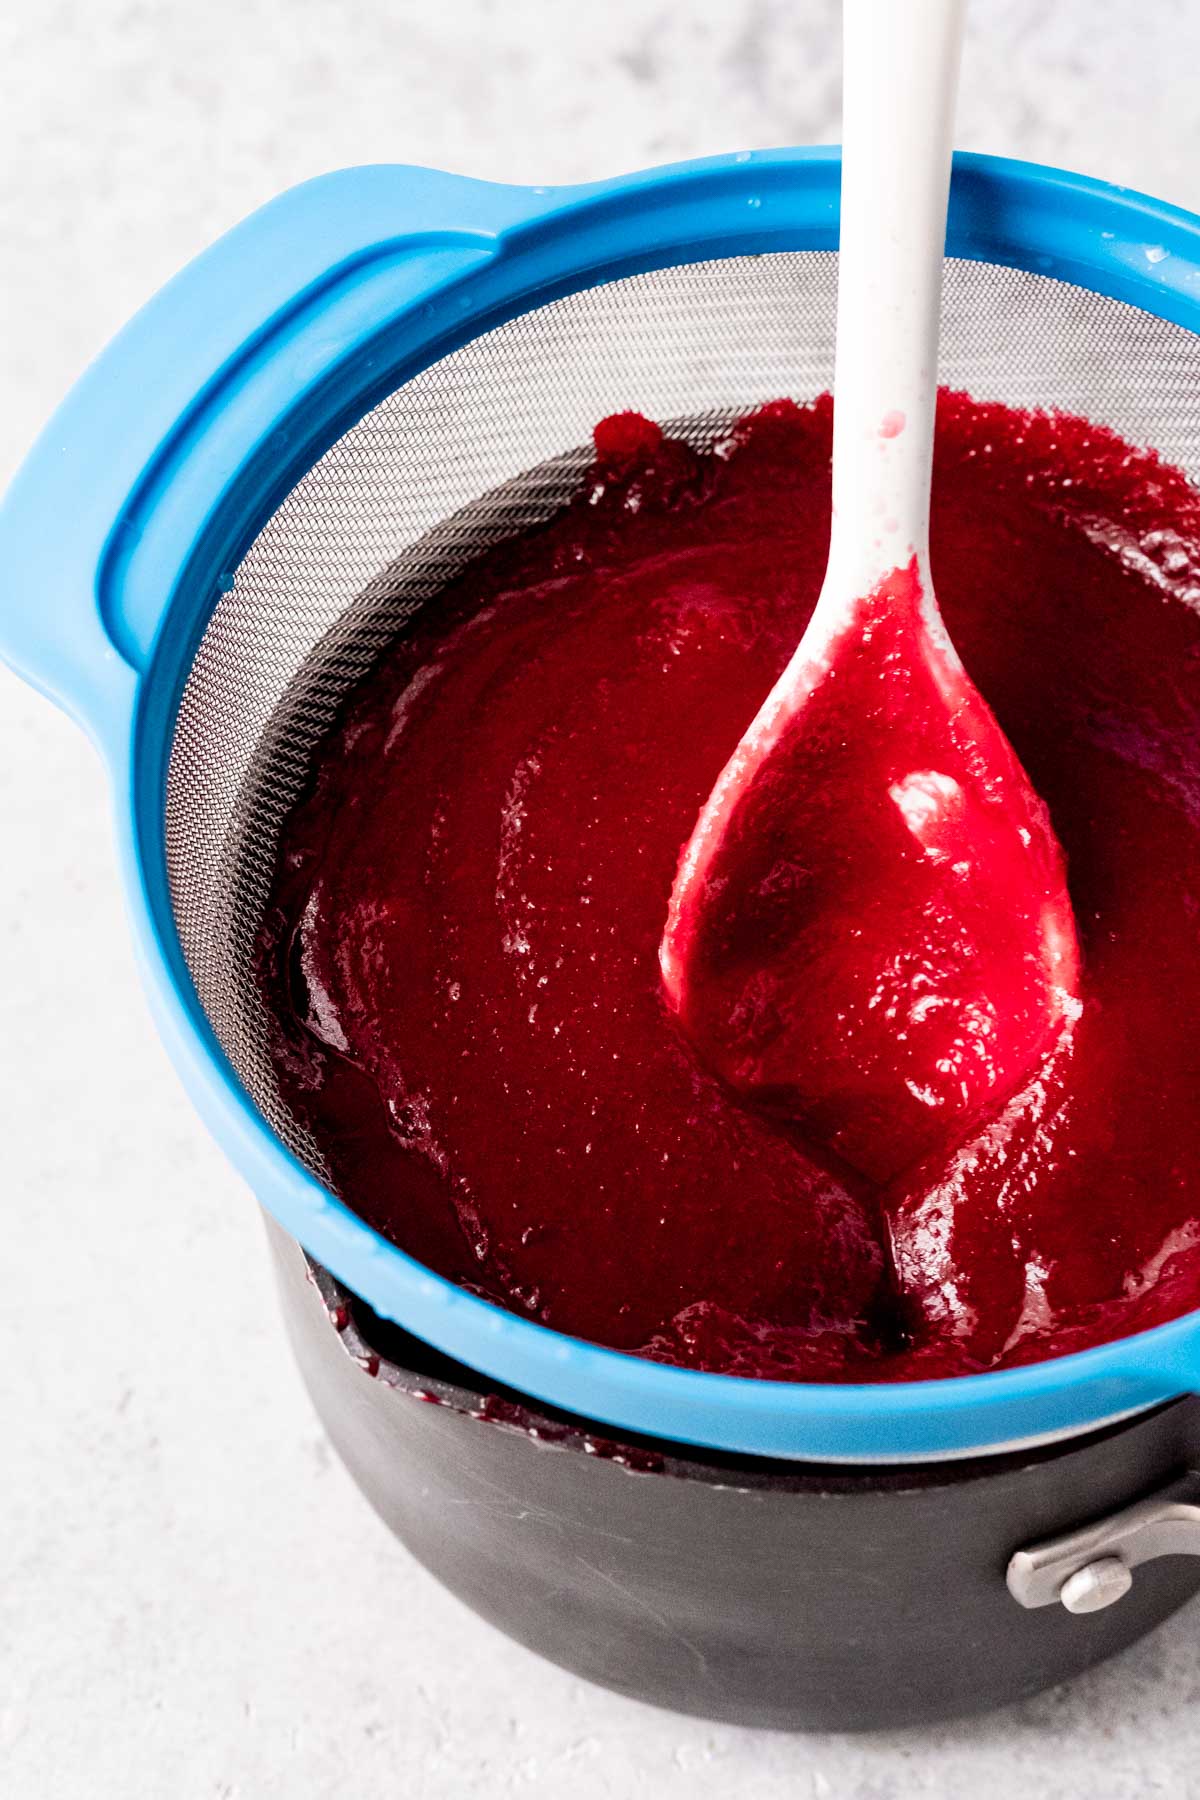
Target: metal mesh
[494,438]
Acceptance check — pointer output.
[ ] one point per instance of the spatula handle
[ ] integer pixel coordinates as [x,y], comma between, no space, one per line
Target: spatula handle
[899,84]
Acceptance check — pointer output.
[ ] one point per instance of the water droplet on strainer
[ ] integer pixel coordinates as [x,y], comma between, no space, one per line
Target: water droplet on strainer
[754,200]
[226,582]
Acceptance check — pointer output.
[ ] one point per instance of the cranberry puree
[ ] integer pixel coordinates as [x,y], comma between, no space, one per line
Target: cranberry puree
[460,953]
[870,931]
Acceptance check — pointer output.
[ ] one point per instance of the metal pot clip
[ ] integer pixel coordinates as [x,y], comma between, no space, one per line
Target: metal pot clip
[1092,1568]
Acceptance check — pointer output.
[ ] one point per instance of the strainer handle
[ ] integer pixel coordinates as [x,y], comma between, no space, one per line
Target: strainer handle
[127,503]
[133,474]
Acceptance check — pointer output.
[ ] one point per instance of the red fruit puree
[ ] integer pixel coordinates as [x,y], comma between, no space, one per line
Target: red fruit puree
[460,954]
[870,931]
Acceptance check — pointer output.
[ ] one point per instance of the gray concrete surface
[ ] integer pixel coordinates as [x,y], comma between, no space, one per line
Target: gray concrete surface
[193,1599]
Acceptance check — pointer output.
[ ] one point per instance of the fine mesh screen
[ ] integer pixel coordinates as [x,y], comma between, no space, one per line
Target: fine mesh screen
[493,438]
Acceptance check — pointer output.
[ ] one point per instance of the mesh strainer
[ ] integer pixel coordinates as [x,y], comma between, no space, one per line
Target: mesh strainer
[297,444]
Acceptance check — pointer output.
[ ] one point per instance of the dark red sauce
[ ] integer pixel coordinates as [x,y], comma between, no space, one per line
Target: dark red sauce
[870,931]
[460,953]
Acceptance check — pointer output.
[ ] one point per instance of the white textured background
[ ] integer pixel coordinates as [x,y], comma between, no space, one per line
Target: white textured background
[193,1599]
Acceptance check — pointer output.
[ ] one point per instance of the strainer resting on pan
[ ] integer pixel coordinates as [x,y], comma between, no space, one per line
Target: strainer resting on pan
[301,439]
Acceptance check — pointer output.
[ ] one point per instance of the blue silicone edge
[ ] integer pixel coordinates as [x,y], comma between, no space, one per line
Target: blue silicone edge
[154,476]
